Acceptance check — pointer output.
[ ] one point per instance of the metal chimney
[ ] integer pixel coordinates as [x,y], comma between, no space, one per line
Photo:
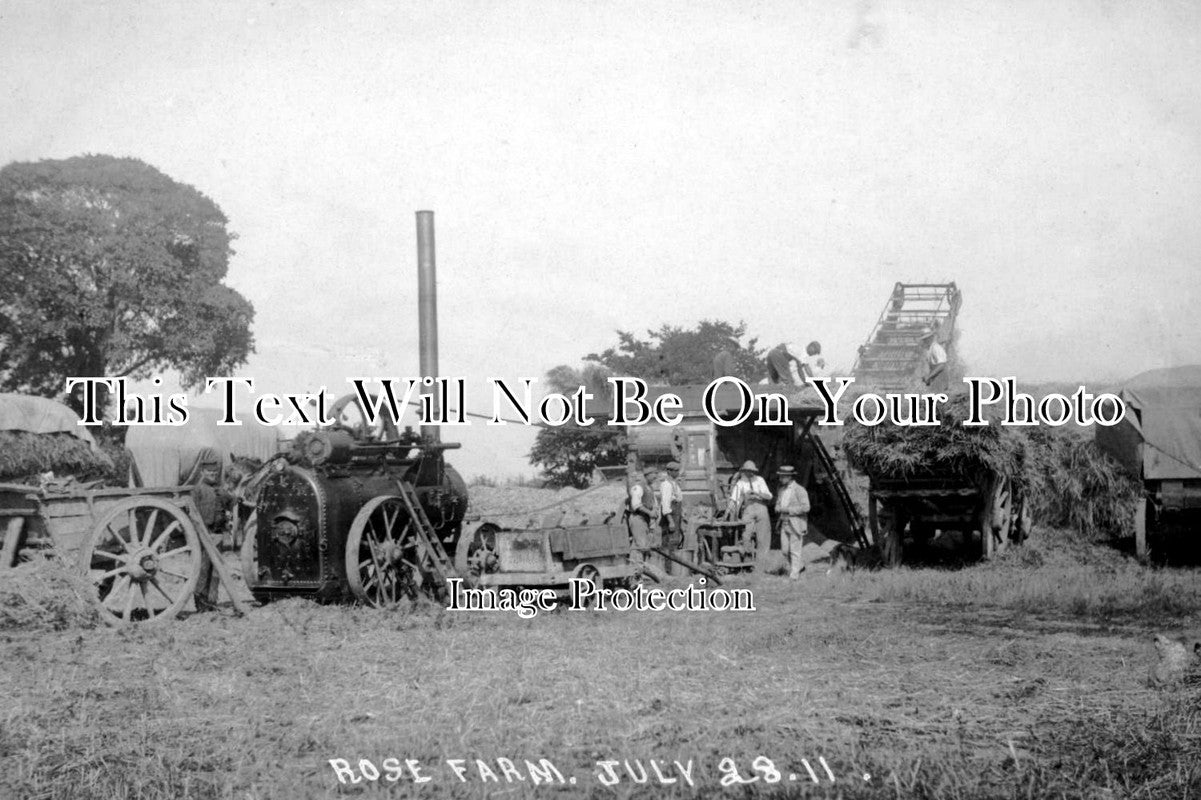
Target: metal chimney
[427,311]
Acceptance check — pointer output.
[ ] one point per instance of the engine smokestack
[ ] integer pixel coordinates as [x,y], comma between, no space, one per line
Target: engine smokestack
[427,309]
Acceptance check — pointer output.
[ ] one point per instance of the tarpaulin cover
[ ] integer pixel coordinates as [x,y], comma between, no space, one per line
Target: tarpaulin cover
[1160,436]
[19,412]
[170,455]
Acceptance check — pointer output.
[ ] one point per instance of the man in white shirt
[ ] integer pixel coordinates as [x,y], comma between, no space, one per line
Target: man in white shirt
[935,362]
[671,504]
[792,511]
[748,502]
[641,512]
[813,364]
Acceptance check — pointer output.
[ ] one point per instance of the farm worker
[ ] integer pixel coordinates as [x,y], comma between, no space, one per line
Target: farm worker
[781,362]
[813,363]
[936,363]
[792,510]
[640,513]
[750,496]
[671,502]
[211,498]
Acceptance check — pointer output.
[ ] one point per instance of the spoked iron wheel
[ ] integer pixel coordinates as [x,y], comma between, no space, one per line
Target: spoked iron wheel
[475,552]
[143,560]
[385,560]
[996,527]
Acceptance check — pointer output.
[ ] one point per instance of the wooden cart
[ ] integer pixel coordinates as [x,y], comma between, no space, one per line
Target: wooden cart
[985,515]
[144,553]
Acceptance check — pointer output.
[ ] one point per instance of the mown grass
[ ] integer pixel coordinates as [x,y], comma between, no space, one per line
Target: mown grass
[1010,680]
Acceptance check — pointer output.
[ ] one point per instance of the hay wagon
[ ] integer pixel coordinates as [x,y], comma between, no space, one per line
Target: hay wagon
[143,553]
[982,515]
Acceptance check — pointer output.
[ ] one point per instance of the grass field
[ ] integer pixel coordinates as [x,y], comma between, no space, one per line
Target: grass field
[1024,678]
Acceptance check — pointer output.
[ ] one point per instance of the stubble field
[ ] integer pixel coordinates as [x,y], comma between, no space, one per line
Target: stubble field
[1026,677]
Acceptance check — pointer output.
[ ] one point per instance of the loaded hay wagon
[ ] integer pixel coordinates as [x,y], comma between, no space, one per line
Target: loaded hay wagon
[943,484]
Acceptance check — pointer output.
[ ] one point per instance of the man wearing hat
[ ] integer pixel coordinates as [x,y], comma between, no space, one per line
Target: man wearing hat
[749,499]
[641,511]
[935,362]
[671,501]
[792,510]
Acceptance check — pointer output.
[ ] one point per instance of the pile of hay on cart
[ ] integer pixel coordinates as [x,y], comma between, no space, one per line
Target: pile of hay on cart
[39,436]
[1070,481]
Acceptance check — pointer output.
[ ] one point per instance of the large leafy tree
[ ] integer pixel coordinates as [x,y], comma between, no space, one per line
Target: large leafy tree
[110,268]
[670,356]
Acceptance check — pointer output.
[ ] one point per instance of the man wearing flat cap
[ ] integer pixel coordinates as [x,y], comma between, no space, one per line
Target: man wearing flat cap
[671,502]
[792,511]
[748,502]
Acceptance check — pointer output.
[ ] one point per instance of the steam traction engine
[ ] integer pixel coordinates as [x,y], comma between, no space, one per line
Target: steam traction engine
[346,515]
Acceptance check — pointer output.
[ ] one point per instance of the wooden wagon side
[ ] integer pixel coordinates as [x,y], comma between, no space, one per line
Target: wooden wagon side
[143,552]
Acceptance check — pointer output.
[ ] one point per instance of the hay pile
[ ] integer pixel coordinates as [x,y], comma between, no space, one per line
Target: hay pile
[1072,484]
[894,452]
[24,456]
[45,594]
[1075,485]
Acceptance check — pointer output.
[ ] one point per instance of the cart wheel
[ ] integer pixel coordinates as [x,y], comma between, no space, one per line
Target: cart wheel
[384,558]
[1140,529]
[1023,526]
[143,559]
[886,534]
[473,548]
[590,573]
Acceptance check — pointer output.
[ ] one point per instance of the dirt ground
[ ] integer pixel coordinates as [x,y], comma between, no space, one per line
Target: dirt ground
[1022,678]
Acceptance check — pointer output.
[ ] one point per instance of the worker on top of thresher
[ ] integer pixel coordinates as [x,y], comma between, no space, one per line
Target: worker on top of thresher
[671,503]
[792,513]
[813,363]
[641,512]
[935,361]
[781,362]
[748,502]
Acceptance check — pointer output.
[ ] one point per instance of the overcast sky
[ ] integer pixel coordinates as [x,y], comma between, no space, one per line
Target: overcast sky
[600,166]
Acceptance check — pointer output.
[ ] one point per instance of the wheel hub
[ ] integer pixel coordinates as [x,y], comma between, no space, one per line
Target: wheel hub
[143,565]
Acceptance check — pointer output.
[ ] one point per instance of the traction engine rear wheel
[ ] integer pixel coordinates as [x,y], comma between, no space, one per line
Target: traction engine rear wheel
[385,559]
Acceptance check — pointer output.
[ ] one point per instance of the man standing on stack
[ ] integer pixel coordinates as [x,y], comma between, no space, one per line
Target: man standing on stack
[783,366]
[936,363]
[750,497]
[792,510]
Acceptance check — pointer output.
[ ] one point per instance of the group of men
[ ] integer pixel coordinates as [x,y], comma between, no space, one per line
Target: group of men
[645,509]
[748,500]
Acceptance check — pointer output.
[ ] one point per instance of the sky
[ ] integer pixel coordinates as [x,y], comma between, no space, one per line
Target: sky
[606,166]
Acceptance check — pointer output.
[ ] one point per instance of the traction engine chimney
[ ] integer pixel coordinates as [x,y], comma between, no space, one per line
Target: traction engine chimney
[427,311]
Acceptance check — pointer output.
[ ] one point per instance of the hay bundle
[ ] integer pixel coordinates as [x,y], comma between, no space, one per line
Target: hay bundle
[24,456]
[1074,484]
[45,594]
[900,452]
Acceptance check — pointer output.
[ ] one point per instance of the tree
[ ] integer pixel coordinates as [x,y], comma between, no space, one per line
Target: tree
[671,356]
[110,268]
[674,356]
